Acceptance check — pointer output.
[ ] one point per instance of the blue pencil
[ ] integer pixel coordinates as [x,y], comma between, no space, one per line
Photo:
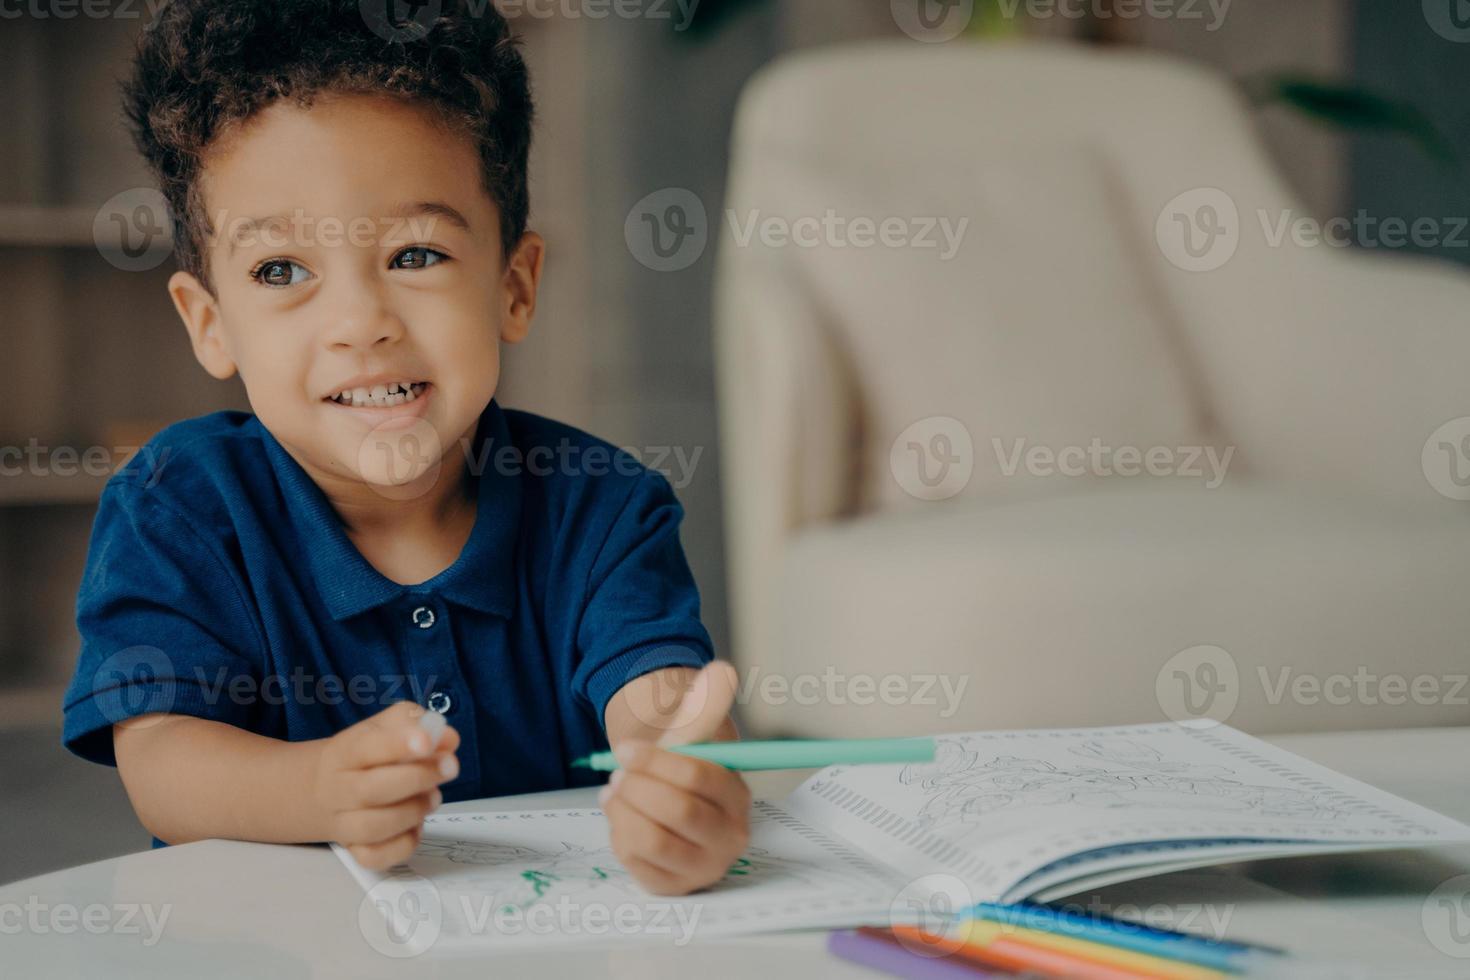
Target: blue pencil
[1218,954]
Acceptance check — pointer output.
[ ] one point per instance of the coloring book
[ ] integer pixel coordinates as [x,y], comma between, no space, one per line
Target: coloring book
[996,817]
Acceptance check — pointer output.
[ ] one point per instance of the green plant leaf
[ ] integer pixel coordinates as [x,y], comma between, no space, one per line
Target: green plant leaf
[1355,108]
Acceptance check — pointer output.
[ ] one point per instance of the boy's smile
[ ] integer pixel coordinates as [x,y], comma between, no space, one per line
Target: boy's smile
[359,288]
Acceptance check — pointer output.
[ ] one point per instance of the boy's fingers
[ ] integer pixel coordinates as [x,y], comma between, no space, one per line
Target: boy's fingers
[382,785]
[382,822]
[708,780]
[384,854]
[655,879]
[391,735]
[682,813]
[635,835]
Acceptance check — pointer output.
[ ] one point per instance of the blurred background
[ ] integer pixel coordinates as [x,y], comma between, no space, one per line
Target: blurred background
[1360,105]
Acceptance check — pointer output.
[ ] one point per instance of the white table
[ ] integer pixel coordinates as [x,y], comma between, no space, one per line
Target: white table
[256,910]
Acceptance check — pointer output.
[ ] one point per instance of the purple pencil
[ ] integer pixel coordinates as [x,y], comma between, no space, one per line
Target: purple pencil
[893,959]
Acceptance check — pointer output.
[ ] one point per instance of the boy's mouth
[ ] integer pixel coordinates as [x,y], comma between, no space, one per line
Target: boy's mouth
[386,395]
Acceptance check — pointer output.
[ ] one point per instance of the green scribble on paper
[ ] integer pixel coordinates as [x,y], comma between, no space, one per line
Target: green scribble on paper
[742,866]
[540,881]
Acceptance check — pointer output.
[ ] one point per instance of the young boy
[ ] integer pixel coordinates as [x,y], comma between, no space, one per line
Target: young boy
[272,600]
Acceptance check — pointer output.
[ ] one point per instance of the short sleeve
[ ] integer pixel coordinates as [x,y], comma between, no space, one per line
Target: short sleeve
[163,624]
[642,606]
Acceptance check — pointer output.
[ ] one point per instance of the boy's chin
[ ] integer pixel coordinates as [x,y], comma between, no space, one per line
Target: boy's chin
[400,462]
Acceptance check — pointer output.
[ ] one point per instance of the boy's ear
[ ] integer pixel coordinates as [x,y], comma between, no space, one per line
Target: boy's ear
[200,313]
[521,279]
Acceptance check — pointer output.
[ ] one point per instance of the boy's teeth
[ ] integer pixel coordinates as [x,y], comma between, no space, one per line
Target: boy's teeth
[380,396]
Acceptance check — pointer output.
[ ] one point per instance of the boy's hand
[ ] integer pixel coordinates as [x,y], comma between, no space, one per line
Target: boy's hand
[378,780]
[678,823]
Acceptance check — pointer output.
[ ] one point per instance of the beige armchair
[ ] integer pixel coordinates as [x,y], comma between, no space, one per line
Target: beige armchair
[928,525]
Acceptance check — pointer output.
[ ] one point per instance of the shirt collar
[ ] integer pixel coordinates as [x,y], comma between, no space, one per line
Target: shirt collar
[482,577]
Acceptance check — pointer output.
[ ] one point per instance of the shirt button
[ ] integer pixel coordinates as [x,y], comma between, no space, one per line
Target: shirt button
[440,702]
[423,617]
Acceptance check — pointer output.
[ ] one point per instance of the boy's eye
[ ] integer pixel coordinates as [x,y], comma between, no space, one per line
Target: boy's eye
[417,257]
[279,272]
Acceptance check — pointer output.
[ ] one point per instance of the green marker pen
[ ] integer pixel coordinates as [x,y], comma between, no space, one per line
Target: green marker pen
[798,754]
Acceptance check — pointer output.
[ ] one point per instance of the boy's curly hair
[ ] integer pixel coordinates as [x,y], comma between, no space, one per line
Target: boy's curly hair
[203,65]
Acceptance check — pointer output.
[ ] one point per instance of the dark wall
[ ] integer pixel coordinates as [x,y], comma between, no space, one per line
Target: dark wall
[1401,49]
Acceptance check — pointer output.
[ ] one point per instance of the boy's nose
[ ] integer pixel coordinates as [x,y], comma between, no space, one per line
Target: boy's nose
[362,319]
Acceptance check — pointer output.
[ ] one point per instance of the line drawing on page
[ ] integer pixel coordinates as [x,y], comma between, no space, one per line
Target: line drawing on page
[1111,773]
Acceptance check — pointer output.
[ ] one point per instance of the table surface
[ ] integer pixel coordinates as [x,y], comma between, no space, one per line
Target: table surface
[254,910]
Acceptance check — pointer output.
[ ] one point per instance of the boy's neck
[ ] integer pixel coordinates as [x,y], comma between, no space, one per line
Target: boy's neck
[436,501]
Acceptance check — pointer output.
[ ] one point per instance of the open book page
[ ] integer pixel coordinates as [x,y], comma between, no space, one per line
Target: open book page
[1002,811]
[487,881]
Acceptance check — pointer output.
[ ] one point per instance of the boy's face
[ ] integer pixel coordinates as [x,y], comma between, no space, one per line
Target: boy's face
[355,250]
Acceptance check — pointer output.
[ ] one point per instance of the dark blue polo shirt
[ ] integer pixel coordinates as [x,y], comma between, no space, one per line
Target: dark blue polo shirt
[220,584]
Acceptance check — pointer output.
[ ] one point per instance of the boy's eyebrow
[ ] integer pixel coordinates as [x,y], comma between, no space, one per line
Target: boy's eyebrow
[241,229]
[436,208]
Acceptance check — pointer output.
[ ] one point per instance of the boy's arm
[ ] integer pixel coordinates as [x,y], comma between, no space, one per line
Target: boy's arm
[368,787]
[677,822]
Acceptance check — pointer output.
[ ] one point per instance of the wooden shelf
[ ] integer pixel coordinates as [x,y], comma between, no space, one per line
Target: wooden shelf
[33,490]
[48,226]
